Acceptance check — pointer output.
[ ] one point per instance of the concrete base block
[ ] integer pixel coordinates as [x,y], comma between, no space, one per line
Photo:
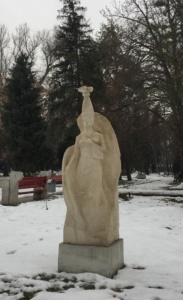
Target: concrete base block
[105,261]
[5,185]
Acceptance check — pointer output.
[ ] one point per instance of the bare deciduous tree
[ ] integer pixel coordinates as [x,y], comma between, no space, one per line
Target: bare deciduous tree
[47,48]
[4,50]
[25,41]
[156,29]
[38,46]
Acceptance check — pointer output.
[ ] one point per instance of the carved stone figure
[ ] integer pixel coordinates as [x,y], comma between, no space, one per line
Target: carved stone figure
[90,173]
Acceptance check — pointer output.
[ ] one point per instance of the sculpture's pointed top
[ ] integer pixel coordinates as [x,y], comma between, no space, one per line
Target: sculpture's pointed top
[85,90]
[87,107]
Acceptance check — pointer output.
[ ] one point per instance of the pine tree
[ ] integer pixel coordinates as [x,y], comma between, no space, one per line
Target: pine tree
[77,63]
[22,120]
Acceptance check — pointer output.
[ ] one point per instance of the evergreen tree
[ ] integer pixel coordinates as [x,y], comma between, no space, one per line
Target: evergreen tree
[77,64]
[22,120]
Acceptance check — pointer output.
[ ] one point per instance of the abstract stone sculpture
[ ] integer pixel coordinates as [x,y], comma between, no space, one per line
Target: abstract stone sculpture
[90,173]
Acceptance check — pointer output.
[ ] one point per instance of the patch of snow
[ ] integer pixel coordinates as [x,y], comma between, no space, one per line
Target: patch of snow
[152,229]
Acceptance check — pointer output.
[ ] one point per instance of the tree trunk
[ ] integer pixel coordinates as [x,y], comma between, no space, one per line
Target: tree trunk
[128,170]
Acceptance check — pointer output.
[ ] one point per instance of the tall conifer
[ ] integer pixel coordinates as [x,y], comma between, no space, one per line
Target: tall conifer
[77,63]
[23,123]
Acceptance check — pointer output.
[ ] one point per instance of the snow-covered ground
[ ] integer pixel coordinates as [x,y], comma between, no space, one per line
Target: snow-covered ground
[152,229]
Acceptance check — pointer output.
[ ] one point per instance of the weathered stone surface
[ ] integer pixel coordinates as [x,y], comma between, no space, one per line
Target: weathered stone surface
[90,173]
[15,177]
[95,259]
[5,185]
[10,188]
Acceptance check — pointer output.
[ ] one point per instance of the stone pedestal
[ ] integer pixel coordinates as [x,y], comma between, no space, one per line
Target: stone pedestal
[105,261]
[15,177]
[5,185]
[10,188]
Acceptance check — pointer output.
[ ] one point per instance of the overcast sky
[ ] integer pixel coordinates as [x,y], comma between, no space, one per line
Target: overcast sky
[41,14]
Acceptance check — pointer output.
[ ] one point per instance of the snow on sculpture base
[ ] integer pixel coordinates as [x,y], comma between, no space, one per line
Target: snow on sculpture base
[105,261]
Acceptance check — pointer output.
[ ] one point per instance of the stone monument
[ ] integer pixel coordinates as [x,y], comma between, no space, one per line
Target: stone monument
[10,188]
[90,173]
